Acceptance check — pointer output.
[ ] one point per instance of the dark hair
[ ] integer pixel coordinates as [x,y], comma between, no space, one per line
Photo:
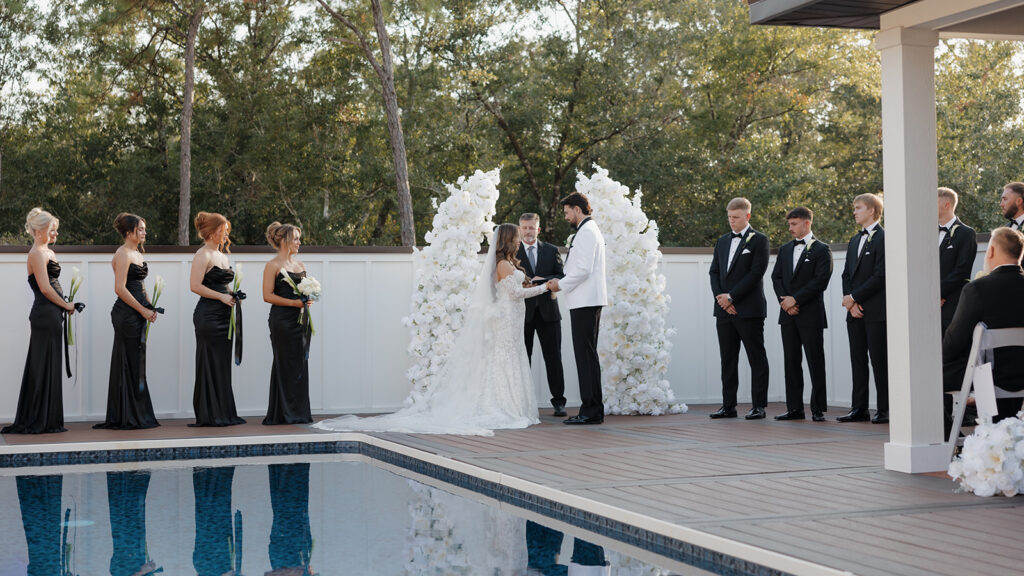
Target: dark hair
[578,200]
[278,233]
[126,223]
[208,223]
[506,244]
[1015,187]
[801,213]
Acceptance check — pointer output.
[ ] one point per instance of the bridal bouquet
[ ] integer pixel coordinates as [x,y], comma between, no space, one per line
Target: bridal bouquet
[992,460]
[76,284]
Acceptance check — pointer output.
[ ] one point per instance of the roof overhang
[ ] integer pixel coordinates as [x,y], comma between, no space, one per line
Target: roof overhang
[986,19]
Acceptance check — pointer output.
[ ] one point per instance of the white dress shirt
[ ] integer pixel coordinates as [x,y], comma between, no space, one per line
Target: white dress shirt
[798,249]
[948,226]
[864,237]
[735,244]
[533,261]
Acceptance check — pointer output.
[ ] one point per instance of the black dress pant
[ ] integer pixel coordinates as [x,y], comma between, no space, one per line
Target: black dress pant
[733,331]
[550,335]
[868,338]
[799,339]
[585,324]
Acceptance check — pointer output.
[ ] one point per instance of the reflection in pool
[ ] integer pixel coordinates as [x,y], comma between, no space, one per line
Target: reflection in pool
[284,518]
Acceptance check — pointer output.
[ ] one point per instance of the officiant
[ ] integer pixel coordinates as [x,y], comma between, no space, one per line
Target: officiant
[542,262]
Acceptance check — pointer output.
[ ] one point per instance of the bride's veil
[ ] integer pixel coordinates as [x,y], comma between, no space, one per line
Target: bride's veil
[451,401]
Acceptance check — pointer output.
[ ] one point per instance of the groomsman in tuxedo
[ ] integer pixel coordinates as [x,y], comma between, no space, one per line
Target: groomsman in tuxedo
[542,262]
[737,281]
[801,275]
[585,295]
[995,300]
[864,300]
[1012,205]
[958,246]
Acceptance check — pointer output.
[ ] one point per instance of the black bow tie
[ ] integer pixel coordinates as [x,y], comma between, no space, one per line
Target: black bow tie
[737,235]
[800,242]
[862,231]
[1012,224]
[943,229]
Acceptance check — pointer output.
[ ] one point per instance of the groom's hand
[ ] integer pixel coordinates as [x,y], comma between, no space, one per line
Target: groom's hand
[553,285]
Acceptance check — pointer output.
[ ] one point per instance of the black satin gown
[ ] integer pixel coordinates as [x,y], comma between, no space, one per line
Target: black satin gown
[41,402]
[128,403]
[39,498]
[213,400]
[218,539]
[289,374]
[291,542]
[126,499]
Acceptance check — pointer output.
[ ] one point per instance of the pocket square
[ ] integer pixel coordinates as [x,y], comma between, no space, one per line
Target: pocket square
[950,247]
[866,253]
[746,251]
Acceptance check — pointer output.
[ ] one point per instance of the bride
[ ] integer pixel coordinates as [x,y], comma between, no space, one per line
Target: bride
[486,383]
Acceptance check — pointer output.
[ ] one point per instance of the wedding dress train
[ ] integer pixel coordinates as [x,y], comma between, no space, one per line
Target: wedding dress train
[486,383]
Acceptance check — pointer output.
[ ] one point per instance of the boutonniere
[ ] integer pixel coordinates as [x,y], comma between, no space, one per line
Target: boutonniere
[872,234]
[749,236]
[809,242]
[953,230]
[568,241]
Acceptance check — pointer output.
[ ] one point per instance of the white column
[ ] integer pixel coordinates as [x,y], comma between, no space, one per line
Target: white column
[912,261]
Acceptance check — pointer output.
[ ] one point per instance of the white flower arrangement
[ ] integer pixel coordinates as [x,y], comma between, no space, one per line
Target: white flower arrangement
[635,345]
[431,546]
[992,460]
[443,269]
[310,288]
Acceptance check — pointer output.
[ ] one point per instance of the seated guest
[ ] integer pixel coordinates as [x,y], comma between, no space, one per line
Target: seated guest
[995,300]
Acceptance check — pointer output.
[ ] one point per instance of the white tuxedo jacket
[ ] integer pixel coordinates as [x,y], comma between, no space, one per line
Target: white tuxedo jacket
[584,280]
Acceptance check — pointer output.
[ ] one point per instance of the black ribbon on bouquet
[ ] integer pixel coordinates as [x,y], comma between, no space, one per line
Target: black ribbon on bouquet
[65,320]
[142,350]
[307,330]
[238,296]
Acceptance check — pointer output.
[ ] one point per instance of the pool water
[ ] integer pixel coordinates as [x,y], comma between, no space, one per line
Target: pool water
[325,515]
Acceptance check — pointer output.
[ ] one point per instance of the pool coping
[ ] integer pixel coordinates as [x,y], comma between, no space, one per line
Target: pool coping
[688,545]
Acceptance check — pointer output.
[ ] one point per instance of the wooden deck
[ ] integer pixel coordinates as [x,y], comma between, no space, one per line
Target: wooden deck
[813,491]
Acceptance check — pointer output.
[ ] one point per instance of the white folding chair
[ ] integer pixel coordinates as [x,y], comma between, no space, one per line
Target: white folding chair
[983,343]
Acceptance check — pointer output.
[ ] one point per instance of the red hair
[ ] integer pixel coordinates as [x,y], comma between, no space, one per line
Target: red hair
[209,223]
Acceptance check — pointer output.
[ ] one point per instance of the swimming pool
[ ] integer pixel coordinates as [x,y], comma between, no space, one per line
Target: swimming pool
[320,514]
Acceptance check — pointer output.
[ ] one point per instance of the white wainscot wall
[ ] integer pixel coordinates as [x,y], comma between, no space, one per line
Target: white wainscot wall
[358,357]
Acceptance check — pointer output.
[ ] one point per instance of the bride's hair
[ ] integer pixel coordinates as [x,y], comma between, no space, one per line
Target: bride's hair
[506,244]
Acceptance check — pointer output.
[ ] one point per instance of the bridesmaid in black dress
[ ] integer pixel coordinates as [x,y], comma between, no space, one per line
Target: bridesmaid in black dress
[128,404]
[41,401]
[211,276]
[289,375]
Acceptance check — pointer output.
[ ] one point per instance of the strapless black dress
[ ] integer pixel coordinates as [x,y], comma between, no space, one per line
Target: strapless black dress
[129,406]
[41,401]
[289,374]
[213,400]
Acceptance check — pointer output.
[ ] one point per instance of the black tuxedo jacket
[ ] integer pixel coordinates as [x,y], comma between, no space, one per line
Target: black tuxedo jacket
[864,276]
[744,281]
[806,284]
[995,300]
[956,260]
[549,265]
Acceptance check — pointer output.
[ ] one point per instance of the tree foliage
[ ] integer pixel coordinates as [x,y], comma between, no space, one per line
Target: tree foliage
[683,99]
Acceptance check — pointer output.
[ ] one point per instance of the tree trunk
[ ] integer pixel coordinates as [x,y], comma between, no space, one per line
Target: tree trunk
[387,80]
[185,193]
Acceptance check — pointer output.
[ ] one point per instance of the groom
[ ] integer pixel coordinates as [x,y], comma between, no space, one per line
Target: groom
[585,295]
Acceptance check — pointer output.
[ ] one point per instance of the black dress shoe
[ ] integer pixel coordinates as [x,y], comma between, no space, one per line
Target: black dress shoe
[791,415]
[755,414]
[724,412]
[855,415]
[817,416]
[559,410]
[880,417]
[582,420]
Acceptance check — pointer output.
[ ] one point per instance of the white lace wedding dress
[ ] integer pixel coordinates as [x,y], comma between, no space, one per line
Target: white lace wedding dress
[486,383]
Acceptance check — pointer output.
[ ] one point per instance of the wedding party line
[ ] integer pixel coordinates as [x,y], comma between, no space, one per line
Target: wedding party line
[513,309]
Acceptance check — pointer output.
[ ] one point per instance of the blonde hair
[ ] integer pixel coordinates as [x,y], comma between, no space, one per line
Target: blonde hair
[278,233]
[739,204]
[950,195]
[38,219]
[873,201]
[1008,241]
[208,223]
